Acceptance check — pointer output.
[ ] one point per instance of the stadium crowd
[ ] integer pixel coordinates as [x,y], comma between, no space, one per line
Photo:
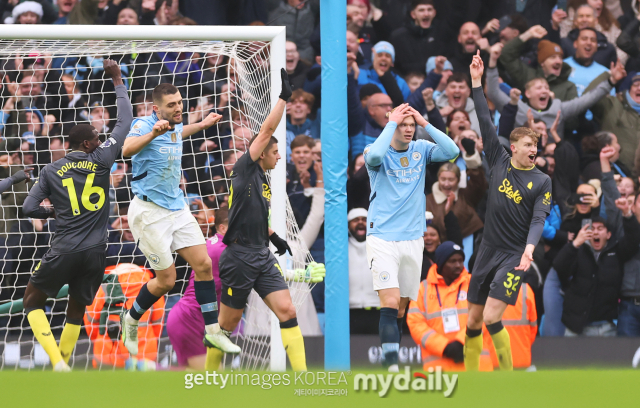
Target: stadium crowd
[570,70]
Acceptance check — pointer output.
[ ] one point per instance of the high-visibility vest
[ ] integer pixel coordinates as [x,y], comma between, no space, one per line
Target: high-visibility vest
[118,291]
[521,322]
[425,320]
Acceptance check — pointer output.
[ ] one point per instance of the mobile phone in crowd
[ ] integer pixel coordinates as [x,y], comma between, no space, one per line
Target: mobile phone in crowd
[587,221]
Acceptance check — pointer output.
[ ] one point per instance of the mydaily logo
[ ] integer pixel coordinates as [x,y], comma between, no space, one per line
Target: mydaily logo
[418,382]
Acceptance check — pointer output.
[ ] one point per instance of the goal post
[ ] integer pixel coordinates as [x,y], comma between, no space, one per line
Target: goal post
[53,39]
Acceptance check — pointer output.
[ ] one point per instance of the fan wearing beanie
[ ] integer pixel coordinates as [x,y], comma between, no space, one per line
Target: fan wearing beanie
[28,12]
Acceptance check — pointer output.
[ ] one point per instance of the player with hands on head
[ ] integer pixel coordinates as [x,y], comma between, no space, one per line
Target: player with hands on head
[396,220]
[159,216]
[247,262]
[519,202]
[77,185]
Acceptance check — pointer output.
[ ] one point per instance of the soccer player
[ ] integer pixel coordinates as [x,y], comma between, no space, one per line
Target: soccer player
[519,202]
[159,216]
[247,263]
[78,187]
[396,221]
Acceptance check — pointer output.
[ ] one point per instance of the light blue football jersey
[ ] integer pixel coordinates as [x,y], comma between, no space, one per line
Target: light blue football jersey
[397,201]
[157,167]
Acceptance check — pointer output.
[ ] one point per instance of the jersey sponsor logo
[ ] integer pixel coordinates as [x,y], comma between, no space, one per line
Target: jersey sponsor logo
[110,141]
[266,191]
[547,198]
[416,156]
[404,162]
[175,152]
[384,276]
[406,175]
[87,165]
[507,189]
[530,185]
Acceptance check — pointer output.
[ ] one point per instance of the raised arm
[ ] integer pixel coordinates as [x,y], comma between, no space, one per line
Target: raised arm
[492,146]
[271,123]
[193,128]
[587,100]
[14,179]
[446,149]
[494,93]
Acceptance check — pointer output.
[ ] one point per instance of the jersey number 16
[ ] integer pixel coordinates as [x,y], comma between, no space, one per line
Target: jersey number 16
[88,189]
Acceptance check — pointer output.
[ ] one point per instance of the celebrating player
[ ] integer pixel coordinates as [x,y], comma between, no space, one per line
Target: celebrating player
[160,219]
[519,202]
[247,263]
[77,186]
[396,220]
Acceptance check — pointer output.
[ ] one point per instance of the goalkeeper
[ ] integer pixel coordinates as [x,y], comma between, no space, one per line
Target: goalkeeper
[185,323]
[247,263]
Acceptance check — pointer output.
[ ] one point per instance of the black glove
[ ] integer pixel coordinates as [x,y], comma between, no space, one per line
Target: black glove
[20,176]
[286,92]
[280,244]
[454,351]
[469,146]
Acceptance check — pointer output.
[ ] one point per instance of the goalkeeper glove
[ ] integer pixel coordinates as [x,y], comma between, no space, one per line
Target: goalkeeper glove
[286,92]
[281,245]
[314,273]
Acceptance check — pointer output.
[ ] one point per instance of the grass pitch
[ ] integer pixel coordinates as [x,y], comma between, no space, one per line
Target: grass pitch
[542,389]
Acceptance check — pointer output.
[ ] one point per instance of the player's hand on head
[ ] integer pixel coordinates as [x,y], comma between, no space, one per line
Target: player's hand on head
[286,92]
[399,113]
[420,120]
[111,68]
[160,128]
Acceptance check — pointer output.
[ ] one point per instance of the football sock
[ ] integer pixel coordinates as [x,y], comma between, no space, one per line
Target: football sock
[206,297]
[502,344]
[143,302]
[293,344]
[42,330]
[400,322]
[389,335]
[214,358]
[69,338]
[472,349]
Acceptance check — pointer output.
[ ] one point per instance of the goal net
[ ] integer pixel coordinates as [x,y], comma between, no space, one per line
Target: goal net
[48,86]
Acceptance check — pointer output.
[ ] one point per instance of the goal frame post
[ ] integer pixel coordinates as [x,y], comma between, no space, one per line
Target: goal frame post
[275,35]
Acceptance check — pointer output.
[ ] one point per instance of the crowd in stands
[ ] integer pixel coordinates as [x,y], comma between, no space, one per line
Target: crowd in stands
[569,70]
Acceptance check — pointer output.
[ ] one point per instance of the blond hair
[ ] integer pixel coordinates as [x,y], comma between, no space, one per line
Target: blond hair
[520,132]
[452,167]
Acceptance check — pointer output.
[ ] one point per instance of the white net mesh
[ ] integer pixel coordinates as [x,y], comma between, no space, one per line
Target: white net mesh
[48,86]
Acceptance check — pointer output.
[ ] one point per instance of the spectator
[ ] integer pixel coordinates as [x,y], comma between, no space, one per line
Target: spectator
[298,110]
[628,43]
[127,16]
[358,187]
[28,12]
[144,105]
[584,68]
[591,148]
[444,292]
[414,80]
[620,115]
[517,26]
[419,39]
[447,196]
[540,101]
[300,19]
[381,74]
[366,91]
[551,67]
[378,106]
[606,23]
[461,54]
[586,17]
[521,322]
[77,12]
[369,24]
[364,304]
[629,308]
[301,177]
[593,274]
[296,68]
[456,96]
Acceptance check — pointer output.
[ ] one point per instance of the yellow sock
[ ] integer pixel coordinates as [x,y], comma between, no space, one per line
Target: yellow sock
[214,358]
[472,349]
[502,344]
[42,331]
[294,346]
[68,340]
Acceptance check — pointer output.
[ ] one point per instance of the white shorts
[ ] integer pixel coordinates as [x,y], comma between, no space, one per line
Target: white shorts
[159,232]
[396,264]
